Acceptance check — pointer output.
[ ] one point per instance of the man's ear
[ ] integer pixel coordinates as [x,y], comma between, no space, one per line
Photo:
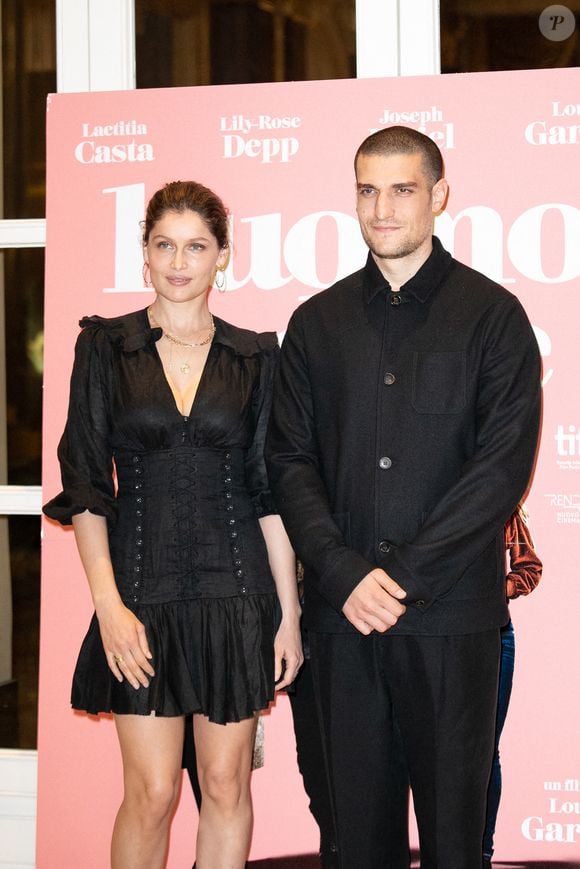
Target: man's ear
[439,195]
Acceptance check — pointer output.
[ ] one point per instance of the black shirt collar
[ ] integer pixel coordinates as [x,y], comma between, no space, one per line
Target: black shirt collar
[421,285]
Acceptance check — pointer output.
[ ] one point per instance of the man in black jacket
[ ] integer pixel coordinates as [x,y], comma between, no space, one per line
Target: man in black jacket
[403,435]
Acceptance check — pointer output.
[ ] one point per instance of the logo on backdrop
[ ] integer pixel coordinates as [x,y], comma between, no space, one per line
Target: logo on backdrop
[125,147]
[430,121]
[567,439]
[563,803]
[565,507]
[264,138]
[564,131]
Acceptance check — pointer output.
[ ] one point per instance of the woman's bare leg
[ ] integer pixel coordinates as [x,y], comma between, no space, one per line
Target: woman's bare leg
[151,748]
[224,761]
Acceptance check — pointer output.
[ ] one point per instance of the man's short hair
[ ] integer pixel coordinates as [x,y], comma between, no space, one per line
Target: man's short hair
[404,140]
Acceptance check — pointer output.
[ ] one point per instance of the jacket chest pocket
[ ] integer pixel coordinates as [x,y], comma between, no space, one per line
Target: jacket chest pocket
[439,381]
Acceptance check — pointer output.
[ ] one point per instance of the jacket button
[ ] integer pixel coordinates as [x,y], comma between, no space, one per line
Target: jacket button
[389,379]
[395,300]
[385,463]
[420,603]
[384,546]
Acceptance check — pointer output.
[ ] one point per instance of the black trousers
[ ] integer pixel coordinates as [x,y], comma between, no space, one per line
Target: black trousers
[389,704]
[310,748]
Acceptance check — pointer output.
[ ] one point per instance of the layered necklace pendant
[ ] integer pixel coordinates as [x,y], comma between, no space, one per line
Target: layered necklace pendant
[183,346]
[181,359]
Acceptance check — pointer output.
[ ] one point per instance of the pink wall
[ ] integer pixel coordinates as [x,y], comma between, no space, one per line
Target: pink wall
[281,157]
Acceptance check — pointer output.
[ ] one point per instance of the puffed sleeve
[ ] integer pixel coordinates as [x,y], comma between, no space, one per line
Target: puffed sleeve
[256,474]
[84,451]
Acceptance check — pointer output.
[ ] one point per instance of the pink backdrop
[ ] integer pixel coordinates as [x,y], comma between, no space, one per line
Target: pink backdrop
[281,157]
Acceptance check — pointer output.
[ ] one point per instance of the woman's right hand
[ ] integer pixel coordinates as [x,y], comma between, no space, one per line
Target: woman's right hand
[123,635]
[125,644]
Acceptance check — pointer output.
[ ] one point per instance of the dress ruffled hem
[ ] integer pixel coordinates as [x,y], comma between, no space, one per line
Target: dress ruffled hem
[213,656]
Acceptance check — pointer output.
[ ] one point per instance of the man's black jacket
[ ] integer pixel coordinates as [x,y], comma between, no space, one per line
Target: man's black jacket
[403,434]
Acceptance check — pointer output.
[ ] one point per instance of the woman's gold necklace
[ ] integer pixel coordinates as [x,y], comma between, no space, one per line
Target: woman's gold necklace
[184,366]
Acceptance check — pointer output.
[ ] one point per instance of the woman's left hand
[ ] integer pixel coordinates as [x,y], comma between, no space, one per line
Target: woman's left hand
[288,653]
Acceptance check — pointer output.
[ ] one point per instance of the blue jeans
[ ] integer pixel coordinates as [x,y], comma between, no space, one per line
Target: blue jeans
[506,675]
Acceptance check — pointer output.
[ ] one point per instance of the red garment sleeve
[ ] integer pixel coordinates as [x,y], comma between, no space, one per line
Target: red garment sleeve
[525,567]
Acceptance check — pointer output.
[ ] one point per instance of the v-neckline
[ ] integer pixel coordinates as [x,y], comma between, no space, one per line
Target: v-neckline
[170,387]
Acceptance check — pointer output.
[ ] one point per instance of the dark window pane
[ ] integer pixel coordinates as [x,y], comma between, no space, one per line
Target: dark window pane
[242,44]
[24,305]
[503,35]
[181,42]
[28,75]
[19,691]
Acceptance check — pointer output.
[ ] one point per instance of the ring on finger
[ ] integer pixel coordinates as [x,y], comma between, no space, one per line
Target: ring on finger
[118,659]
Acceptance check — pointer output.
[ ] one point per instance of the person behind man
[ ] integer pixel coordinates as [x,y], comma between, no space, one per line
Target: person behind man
[524,574]
[403,435]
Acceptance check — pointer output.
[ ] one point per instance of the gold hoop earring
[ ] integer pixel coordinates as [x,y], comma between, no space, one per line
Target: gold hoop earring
[145,281]
[220,280]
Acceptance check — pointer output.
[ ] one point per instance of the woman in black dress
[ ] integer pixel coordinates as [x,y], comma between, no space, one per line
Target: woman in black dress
[165,485]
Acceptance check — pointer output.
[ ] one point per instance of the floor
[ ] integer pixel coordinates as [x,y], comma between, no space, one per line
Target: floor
[311,861]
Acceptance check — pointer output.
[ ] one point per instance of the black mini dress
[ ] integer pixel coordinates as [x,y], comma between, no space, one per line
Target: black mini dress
[182,496]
